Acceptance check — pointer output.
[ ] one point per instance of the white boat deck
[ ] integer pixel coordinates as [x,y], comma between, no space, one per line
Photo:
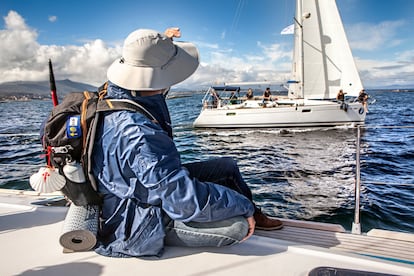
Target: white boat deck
[381,243]
[29,238]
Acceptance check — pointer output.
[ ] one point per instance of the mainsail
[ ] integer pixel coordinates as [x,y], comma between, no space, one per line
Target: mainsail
[322,59]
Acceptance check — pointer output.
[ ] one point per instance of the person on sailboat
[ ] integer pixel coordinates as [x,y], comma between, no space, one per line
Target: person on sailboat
[233,98]
[267,96]
[363,98]
[249,94]
[215,97]
[340,97]
[151,199]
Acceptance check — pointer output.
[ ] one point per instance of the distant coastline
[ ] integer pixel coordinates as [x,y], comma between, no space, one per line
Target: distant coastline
[32,97]
[23,98]
[401,90]
[40,90]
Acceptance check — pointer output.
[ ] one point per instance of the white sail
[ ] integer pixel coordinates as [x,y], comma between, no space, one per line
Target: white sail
[322,50]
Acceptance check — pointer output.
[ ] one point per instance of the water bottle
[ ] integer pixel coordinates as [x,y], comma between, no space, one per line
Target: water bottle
[74,172]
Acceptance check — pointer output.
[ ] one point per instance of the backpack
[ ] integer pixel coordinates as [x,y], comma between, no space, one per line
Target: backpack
[68,139]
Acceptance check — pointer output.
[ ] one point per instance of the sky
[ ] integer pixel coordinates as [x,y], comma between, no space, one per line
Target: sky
[238,40]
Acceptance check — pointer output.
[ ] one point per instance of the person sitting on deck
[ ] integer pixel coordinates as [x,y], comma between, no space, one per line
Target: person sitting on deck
[249,94]
[151,199]
[233,98]
[340,97]
[267,96]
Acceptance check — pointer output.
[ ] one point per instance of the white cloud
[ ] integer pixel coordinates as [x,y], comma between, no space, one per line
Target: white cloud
[18,43]
[23,58]
[367,36]
[388,68]
[14,21]
[383,73]
[221,65]
[206,45]
[274,52]
[52,18]
[407,56]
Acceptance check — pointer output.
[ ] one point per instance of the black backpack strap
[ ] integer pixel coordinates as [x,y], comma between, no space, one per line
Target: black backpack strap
[119,104]
[123,104]
[109,105]
[131,106]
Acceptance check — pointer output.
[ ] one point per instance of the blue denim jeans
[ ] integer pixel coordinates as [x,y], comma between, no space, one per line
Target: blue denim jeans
[223,171]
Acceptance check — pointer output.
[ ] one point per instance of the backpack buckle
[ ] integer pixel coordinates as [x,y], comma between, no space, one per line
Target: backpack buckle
[62,150]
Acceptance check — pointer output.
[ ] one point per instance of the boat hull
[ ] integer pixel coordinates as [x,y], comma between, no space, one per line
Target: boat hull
[312,114]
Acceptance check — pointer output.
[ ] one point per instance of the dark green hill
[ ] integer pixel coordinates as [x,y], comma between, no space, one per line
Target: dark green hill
[40,89]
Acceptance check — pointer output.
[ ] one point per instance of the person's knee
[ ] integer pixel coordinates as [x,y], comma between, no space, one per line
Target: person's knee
[238,228]
[225,160]
[228,163]
[243,226]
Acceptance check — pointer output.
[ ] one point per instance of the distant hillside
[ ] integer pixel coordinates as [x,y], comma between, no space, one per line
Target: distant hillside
[25,90]
[40,89]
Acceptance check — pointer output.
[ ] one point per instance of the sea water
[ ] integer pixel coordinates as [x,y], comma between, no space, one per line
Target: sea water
[306,174]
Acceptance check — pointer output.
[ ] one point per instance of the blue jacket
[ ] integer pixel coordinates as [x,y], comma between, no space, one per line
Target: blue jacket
[140,175]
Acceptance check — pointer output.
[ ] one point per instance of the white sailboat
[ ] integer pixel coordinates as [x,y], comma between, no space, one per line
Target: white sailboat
[322,65]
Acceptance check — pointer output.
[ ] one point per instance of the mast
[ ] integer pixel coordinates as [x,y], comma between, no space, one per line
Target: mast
[296,84]
[302,64]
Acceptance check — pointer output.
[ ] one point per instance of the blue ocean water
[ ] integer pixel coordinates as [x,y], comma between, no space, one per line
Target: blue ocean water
[304,174]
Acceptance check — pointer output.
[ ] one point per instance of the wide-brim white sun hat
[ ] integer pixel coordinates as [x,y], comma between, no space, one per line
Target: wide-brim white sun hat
[152,61]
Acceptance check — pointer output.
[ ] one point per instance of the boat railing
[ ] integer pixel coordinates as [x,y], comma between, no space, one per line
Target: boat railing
[356,225]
